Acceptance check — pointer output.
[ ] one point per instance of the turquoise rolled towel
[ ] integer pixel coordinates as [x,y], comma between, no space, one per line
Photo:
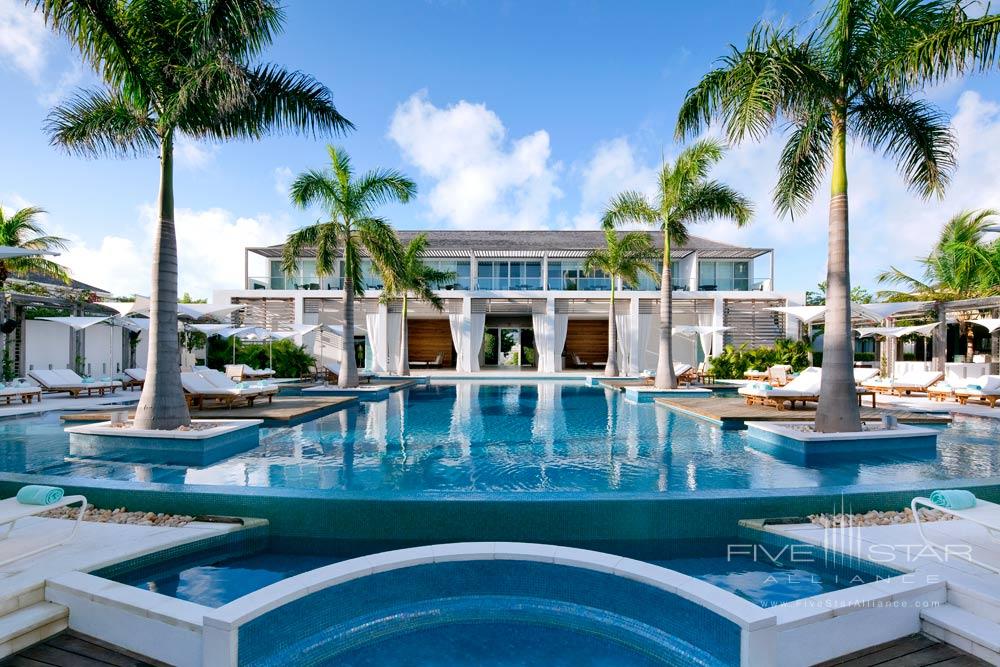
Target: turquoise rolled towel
[35,494]
[956,499]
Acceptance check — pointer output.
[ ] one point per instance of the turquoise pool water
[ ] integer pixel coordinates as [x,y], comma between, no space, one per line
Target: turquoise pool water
[547,437]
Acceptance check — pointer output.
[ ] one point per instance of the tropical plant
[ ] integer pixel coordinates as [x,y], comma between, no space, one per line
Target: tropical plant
[733,362]
[21,229]
[684,195]
[623,257]
[410,276]
[287,359]
[962,265]
[172,68]
[851,76]
[352,228]
[818,298]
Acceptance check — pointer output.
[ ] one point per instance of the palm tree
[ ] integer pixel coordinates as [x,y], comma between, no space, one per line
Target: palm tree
[174,68]
[960,266]
[842,79]
[351,229]
[623,258]
[22,230]
[411,276]
[684,195]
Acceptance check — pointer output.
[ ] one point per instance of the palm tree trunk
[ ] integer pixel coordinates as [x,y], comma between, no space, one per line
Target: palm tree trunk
[162,404]
[611,369]
[348,377]
[665,378]
[404,346]
[838,406]
[970,343]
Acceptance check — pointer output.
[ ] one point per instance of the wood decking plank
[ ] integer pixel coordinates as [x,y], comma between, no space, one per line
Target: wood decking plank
[282,408]
[724,409]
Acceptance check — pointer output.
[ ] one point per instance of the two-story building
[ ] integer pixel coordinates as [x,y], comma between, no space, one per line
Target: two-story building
[521,299]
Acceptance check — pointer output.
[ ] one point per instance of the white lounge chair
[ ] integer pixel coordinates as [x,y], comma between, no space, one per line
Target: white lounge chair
[988,390]
[985,513]
[862,374]
[778,374]
[21,391]
[220,380]
[11,511]
[197,389]
[333,368]
[242,372]
[803,388]
[914,381]
[134,377]
[65,381]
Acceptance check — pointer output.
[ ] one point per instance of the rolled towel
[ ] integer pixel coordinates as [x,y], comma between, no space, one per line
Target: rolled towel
[956,499]
[974,387]
[36,494]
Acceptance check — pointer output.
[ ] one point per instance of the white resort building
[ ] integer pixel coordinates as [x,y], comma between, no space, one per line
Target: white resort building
[521,300]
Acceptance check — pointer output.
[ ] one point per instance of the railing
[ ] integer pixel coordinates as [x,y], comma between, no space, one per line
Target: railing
[580,284]
[512,284]
[296,282]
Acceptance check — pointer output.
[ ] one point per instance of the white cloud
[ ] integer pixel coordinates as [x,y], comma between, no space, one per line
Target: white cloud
[67,81]
[283,177]
[193,154]
[210,247]
[481,178]
[23,39]
[612,168]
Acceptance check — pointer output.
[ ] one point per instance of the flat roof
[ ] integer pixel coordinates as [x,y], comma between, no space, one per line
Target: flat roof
[530,243]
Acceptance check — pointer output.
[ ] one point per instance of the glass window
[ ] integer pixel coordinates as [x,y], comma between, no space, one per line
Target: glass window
[706,276]
[741,275]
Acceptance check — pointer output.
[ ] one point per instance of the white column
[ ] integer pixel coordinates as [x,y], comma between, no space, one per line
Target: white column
[718,320]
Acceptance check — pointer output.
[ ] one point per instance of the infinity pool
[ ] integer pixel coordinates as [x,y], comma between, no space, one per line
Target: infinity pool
[545,437]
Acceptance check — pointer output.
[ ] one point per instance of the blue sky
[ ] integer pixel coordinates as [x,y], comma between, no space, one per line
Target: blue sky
[508,115]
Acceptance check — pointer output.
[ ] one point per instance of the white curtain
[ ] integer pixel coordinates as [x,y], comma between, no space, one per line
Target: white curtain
[458,339]
[477,327]
[706,336]
[540,324]
[644,324]
[376,333]
[625,324]
[393,324]
[560,326]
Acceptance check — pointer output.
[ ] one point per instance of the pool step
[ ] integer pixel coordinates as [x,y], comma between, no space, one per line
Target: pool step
[30,625]
[963,630]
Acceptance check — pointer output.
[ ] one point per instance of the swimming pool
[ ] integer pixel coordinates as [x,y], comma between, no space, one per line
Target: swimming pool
[547,437]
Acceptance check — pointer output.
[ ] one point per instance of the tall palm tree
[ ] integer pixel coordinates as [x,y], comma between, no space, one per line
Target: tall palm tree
[684,195]
[410,276]
[21,229]
[962,265]
[177,67]
[623,258]
[843,79]
[352,228]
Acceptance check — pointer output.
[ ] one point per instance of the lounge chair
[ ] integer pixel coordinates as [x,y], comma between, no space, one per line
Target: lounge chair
[985,389]
[25,393]
[862,375]
[12,510]
[914,381]
[134,377]
[984,513]
[220,380]
[333,373]
[65,381]
[777,375]
[242,372]
[703,374]
[684,372]
[577,361]
[197,389]
[438,361]
[803,388]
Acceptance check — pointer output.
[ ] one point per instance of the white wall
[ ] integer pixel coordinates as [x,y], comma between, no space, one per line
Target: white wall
[46,345]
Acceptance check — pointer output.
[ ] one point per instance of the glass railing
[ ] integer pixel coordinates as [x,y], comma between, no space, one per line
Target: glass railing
[456,284]
[739,285]
[580,284]
[296,282]
[516,283]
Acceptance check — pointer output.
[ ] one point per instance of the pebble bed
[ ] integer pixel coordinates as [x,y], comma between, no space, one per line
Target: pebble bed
[120,515]
[875,518]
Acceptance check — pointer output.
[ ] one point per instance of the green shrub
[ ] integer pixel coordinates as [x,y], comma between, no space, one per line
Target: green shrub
[289,360]
[864,356]
[733,362]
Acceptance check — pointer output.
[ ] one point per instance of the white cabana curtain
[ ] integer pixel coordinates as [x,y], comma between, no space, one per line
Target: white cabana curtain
[394,324]
[560,327]
[706,333]
[541,327]
[477,327]
[644,325]
[459,338]
[625,327]
[375,323]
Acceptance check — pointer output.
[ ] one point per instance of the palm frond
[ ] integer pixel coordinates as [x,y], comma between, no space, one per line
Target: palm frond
[316,187]
[381,186]
[803,164]
[629,207]
[913,133]
[711,199]
[95,123]
[964,45]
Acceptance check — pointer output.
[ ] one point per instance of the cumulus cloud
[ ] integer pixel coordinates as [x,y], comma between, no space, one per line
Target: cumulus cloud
[480,177]
[193,154]
[210,250]
[283,178]
[613,167]
[23,39]
[64,85]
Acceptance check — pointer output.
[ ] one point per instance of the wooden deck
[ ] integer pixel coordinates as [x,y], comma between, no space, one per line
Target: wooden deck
[69,649]
[733,411]
[912,651]
[282,409]
[621,385]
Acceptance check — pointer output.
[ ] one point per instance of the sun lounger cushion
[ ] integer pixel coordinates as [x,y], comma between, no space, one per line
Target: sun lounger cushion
[917,379]
[956,499]
[138,374]
[862,375]
[195,384]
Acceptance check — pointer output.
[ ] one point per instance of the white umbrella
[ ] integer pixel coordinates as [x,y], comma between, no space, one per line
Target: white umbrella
[10,252]
[990,324]
[81,323]
[880,311]
[704,333]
